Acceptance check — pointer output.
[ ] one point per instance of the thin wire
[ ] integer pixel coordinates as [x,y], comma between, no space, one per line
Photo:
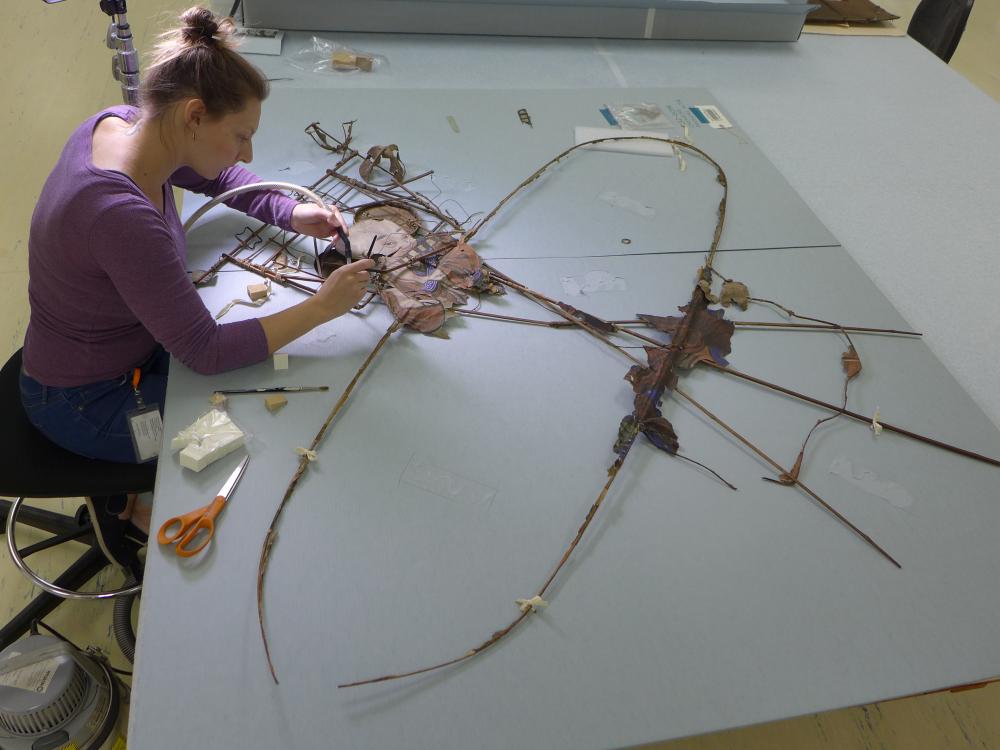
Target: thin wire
[61,637]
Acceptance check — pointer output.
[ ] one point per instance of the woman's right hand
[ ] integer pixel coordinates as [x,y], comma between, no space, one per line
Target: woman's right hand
[343,288]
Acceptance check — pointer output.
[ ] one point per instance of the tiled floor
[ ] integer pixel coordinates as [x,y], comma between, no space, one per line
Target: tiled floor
[44,47]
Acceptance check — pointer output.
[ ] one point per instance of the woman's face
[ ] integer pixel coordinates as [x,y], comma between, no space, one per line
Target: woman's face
[221,142]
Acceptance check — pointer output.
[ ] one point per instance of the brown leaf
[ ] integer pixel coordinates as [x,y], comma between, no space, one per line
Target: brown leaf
[424,314]
[735,292]
[461,266]
[390,238]
[668,324]
[788,479]
[851,362]
[375,156]
[706,288]
[661,433]
[398,214]
[708,340]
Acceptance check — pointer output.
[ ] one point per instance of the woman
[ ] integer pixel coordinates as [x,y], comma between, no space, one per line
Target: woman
[109,292]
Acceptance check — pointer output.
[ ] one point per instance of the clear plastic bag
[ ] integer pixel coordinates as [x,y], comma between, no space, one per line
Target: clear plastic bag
[210,437]
[640,116]
[324,56]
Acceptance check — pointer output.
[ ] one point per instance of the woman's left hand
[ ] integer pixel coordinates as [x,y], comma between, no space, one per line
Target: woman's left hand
[312,220]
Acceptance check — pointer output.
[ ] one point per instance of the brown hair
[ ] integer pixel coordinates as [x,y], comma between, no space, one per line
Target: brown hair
[198,59]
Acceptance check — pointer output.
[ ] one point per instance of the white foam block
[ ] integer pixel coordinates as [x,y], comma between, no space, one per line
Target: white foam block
[209,438]
[583,134]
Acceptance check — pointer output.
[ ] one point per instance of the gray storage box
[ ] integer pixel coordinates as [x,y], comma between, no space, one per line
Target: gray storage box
[760,20]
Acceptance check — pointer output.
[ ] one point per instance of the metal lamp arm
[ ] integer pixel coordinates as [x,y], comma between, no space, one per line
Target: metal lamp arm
[125,63]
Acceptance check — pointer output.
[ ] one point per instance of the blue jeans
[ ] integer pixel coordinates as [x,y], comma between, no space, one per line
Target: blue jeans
[90,420]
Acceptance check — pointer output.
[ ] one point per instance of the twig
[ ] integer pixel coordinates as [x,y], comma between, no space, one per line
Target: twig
[855,415]
[782,471]
[499,634]
[269,539]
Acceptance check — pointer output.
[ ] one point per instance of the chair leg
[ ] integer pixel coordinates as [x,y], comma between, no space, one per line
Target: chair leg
[86,567]
[46,520]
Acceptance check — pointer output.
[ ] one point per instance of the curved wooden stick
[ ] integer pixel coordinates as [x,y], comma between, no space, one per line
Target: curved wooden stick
[272,533]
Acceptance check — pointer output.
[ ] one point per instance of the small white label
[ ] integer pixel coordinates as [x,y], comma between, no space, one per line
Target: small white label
[147,431]
[35,679]
[711,116]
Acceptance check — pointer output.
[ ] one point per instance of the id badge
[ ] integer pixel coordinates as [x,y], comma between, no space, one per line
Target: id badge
[145,425]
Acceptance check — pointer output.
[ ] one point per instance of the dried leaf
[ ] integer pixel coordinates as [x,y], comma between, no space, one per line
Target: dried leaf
[628,429]
[397,213]
[735,292]
[374,158]
[709,338]
[461,266]
[851,362]
[788,479]
[661,433]
[390,238]
[420,294]
[424,314]
[643,380]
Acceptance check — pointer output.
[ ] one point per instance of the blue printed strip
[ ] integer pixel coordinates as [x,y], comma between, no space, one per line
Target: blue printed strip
[698,113]
[611,118]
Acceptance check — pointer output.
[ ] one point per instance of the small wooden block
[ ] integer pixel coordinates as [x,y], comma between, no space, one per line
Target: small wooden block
[256,291]
[275,402]
[344,60]
[280,361]
[364,63]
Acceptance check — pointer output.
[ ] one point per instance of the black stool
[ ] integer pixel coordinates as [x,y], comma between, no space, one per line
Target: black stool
[32,466]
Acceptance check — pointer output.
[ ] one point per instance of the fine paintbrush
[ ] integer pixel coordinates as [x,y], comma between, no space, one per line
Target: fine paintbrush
[277,389]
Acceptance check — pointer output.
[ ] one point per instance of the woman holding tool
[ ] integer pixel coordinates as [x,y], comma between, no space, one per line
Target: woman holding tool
[109,291]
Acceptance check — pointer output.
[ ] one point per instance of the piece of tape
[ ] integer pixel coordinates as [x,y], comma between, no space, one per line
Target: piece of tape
[865,479]
[422,473]
[592,281]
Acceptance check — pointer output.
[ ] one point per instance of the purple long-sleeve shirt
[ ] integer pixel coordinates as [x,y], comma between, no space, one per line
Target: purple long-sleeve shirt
[108,277]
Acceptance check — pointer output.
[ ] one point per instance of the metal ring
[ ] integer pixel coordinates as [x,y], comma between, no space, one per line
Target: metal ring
[46,585]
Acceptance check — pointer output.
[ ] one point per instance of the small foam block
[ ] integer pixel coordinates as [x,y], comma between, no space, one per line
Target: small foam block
[650,148]
[280,361]
[275,402]
[207,439]
[256,291]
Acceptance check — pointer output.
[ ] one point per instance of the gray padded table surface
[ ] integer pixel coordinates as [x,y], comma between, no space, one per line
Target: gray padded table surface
[493,152]
[461,468]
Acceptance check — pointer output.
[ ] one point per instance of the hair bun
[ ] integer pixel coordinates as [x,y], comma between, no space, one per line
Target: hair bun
[199,25]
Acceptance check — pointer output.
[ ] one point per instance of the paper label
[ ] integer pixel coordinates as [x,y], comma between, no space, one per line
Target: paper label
[146,426]
[35,678]
[709,114]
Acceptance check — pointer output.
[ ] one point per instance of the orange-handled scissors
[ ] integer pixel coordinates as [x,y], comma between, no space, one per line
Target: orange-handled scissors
[200,521]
